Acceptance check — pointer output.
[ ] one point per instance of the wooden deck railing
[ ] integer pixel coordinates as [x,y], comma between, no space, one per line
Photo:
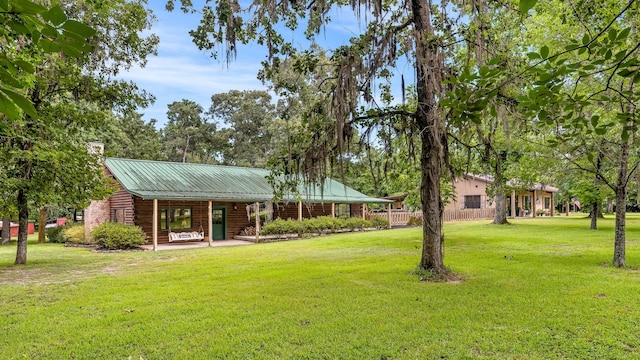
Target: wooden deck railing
[468,214]
[400,218]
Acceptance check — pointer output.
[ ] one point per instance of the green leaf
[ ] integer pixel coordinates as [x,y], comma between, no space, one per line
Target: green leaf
[613,33]
[8,107]
[585,39]
[594,120]
[18,27]
[25,66]
[526,5]
[623,34]
[625,134]
[601,130]
[79,28]
[626,73]
[636,78]
[544,52]
[484,71]
[22,102]
[55,15]
[533,55]
[27,7]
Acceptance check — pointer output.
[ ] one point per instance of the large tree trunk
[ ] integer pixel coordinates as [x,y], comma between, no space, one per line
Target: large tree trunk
[499,185]
[429,68]
[23,221]
[595,210]
[619,256]
[596,206]
[500,217]
[6,230]
[42,221]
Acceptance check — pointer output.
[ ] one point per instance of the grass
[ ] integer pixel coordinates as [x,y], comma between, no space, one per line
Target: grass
[539,289]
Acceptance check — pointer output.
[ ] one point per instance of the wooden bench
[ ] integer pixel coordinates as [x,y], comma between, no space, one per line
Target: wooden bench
[186,236]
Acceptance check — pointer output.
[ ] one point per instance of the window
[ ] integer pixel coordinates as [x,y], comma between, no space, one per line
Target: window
[472,202]
[118,215]
[343,210]
[175,219]
[547,202]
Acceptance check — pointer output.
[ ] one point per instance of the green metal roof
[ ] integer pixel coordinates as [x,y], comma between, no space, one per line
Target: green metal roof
[183,181]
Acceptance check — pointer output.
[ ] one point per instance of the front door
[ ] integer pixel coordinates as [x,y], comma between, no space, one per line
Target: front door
[218,219]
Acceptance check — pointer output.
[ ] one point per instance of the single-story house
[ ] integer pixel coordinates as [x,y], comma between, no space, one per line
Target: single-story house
[471,193]
[182,201]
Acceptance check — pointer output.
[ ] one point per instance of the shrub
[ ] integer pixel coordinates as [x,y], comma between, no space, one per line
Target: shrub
[379,222]
[74,234]
[354,223]
[118,236]
[55,234]
[414,221]
[279,227]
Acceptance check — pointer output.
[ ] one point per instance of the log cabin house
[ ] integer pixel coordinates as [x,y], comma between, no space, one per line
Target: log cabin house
[194,202]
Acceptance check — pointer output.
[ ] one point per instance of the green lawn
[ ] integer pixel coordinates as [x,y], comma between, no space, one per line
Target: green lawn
[540,289]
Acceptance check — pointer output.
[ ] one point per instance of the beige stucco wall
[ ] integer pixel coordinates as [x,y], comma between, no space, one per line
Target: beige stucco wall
[474,186]
[469,186]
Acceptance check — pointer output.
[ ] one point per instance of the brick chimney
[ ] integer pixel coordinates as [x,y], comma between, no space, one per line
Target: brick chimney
[99,211]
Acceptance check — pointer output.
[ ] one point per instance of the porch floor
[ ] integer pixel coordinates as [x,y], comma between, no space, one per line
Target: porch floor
[196,244]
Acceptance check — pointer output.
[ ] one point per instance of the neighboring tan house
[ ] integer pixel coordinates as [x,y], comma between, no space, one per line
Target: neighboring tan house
[398,201]
[471,193]
[181,201]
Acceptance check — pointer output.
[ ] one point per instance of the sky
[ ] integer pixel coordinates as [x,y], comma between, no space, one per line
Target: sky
[181,71]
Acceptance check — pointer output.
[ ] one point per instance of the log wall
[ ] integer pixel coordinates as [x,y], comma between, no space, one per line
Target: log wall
[236,218]
[123,200]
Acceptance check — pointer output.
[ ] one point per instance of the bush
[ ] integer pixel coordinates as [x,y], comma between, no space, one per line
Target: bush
[279,227]
[379,222]
[414,221]
[118,236]
[74,234]
[55,234]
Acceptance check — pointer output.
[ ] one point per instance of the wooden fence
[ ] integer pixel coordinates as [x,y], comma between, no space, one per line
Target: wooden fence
[468,214]
[401,218]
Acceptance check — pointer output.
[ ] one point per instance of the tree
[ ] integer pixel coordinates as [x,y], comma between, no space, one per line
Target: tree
[594,71]
[188,137]
[418,32]
[249,115]
[44,159]
[27,26]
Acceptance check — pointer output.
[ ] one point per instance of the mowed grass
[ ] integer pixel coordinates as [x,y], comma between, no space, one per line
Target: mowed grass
[539,289]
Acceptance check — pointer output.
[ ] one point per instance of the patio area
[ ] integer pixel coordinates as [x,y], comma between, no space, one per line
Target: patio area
[196,244]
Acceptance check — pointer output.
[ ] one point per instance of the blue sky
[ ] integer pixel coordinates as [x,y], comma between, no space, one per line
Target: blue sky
[181,71]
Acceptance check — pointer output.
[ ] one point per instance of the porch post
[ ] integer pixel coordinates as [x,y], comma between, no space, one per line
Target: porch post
[256,206]
[333,210]
[210,222]
[566,209]
[154,232]
[364,211]
[300,210]
[533,206]
[553,207]
[389,214]
[513,203]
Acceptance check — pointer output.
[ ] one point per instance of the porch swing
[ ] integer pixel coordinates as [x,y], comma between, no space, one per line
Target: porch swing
[187,235]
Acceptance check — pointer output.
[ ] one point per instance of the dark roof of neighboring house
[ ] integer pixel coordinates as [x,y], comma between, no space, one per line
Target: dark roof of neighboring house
[512,183]
[183,181]
[399,197]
